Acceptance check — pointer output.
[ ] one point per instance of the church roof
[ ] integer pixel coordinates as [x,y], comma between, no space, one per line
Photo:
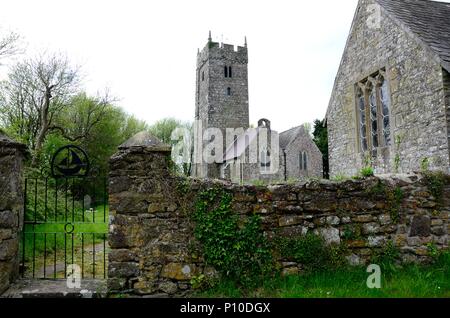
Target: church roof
[428,20]
[287,136]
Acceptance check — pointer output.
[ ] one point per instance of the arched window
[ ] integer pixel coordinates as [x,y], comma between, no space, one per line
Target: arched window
[385,104]
[225,70]
[373,106]
[362,119]
[265,161]
[300,160]
[229,91]
[305,161]
[373,111]
[230,73]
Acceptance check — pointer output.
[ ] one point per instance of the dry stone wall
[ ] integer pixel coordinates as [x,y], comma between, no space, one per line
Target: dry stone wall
[11,209]
[154,252]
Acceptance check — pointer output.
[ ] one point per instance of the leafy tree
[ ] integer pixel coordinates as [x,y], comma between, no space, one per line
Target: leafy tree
[320,134]
[169,128]
[163,129]
[42,97]
[36,91]
[112,129]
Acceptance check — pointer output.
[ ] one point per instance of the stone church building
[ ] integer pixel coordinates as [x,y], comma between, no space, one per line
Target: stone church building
[248,154]
[390,106]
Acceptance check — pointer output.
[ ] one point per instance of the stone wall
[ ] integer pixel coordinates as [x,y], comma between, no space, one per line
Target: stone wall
[11,209]
[154,252]
[414,77]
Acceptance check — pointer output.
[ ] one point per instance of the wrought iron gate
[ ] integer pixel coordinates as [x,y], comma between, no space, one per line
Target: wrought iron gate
[65,220]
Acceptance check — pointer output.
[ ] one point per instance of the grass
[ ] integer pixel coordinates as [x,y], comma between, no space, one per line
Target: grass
[409,281]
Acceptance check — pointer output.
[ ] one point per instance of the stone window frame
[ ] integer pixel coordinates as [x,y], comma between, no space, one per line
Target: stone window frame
[265,160]
[228,92]
[374,81]
[228,71]
[303,161]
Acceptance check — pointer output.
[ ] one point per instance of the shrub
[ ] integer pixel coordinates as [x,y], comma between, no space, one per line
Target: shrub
[367,172]
[435,183]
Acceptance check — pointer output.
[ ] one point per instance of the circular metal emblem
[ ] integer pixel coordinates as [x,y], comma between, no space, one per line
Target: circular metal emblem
[69,228]
[70,161]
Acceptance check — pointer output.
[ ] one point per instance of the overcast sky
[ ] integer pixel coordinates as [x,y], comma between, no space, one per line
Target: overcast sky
[145,51]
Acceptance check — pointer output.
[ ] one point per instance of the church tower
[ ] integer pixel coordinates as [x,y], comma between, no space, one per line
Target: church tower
[221,94]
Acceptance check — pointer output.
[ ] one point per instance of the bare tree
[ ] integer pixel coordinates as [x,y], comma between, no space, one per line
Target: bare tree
[36,91]
[9,45]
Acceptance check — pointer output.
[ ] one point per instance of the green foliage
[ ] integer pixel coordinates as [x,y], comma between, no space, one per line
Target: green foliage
[424,164]
[435,183]
[387,258]
[237,249]
[433,251]
[393,196]
[320,134]
[367,172]
[167,130]
[352,232]
[379,189]
[412,281]
[339,178]
[202,282]
[310,251]
[257,183]
[163,129]
[397,159]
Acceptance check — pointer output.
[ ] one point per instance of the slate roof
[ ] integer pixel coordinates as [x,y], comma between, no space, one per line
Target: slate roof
[287,136]
[428,20]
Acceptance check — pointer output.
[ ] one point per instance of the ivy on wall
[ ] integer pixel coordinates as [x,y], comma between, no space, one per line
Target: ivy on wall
[236,248]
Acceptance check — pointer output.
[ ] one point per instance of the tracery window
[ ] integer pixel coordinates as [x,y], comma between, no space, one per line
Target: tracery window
[373,107]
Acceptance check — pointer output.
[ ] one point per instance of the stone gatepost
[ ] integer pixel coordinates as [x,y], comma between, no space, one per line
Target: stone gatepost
[141,215]
[12,155]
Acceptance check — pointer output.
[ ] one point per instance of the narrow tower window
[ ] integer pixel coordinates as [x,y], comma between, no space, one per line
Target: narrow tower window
[229,91]
[225,71]
[230,74]
[203,76]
